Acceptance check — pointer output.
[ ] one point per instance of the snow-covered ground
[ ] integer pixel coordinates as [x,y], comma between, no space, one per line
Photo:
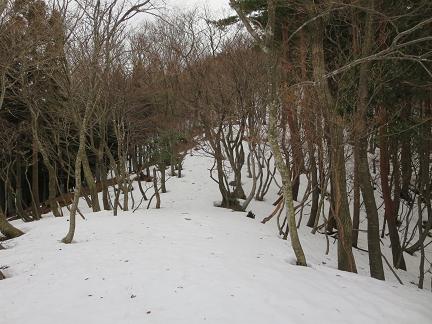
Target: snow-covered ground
[190,262]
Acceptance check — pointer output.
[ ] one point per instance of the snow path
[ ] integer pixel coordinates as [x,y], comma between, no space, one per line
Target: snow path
[188,262]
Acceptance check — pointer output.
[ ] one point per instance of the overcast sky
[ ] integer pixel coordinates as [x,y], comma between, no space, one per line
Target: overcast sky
[219,7]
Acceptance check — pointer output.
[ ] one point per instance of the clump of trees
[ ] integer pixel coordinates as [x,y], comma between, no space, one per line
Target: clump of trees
[352,83]
[74,118]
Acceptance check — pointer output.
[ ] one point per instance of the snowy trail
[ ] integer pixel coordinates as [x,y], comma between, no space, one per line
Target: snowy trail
[188,262]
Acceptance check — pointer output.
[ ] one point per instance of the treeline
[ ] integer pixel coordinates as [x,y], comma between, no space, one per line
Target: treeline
[335,97]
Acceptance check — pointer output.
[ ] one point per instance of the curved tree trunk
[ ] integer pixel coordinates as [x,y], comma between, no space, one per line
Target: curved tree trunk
[274,105]
[285,172]
[78,185]
[7,229]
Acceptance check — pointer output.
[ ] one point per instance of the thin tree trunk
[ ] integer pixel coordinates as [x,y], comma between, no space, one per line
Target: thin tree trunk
[52,191]
[156,189]
[284,169]
[90,183]
[103,177]
[315,189]
[424,185]
[341,212]
[356,206]
[162,169]
[374,248]
[406,155]
[254,183]
[268,48]
[35,180]
[390,212]
[18,190]
[52,174]
[78,185]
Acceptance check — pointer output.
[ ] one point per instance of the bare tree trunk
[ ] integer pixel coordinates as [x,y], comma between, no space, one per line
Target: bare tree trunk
[73,210]
[268,47]
[356,207]
[78,185]
[103,179]
[315,188]
[90,181]
[254,182]
[424,183]
[274,105]
[52,174]
[179,169]
[156,189]
[298,161]
[406,159]
[162,169]
[390,212]
[7,229]
[341,213]
[342,217]
[228,199]
[375,259]
[52,191]
[35,180]
[18,190]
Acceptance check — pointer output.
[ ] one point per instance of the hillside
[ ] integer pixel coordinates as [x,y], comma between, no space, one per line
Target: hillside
[191,262]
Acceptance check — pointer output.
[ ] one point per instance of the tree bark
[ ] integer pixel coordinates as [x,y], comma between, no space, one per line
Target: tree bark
[356,203]
[52,174]
[156,189]
[346,260]
[375,259]
[389,213]
[7,229]
[18,190]
[315,189]
[90,181]
[78,183]
[274,104]
[35,180]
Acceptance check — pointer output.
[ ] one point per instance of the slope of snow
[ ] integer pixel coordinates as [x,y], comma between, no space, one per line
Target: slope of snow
[190,262]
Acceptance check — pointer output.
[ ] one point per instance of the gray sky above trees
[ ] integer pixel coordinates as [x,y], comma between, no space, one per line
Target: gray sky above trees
[216,6]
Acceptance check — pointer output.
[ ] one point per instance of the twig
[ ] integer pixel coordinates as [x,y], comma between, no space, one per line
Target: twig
[392,270]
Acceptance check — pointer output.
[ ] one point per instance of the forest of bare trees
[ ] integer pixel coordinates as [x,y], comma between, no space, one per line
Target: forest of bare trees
[331,96]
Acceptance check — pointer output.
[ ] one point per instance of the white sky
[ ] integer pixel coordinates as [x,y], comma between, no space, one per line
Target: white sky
[219,7]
